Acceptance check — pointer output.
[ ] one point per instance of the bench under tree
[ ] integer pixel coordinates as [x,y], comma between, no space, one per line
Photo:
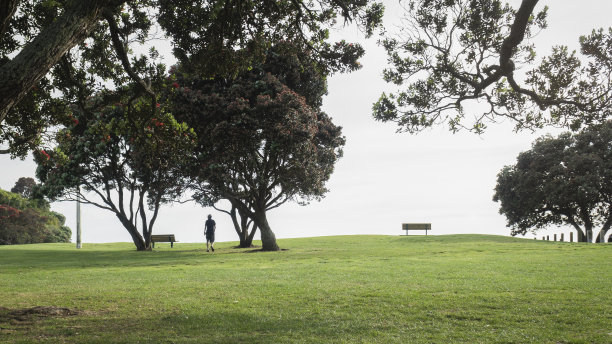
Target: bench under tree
[163,238]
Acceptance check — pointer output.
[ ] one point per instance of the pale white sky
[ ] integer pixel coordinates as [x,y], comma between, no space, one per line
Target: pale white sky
[384,178]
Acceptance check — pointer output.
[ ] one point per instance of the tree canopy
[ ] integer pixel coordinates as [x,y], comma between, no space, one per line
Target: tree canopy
[86,47]
[259,143]
[452,54]
[24,186]
[562,180]
[123,157]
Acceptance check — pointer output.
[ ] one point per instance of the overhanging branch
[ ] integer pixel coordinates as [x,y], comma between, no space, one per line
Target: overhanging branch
[122,53]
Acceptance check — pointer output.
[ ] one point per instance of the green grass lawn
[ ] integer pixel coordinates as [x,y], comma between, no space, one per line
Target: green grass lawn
[345,289]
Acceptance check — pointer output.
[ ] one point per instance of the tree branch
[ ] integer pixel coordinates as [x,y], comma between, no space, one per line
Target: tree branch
[121,52]
[517,33]
[7,10]
[38,56]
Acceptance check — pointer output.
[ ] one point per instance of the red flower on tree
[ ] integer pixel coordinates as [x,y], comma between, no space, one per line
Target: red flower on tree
[45,154]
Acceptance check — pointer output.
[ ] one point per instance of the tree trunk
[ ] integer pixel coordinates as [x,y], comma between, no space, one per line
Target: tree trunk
[136,237]
[589,233]
[237,227]
[268,239]
[249,240]
[247,233]
[242,227]
[606,227]
[601,238]
[38,56]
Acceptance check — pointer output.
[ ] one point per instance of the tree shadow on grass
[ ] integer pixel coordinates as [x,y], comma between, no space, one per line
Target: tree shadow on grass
[231,326]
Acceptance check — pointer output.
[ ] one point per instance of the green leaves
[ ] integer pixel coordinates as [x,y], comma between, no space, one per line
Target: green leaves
[563,180]
[470,51]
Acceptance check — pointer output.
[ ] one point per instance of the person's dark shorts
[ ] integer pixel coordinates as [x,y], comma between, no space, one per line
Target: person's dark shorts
[210,237]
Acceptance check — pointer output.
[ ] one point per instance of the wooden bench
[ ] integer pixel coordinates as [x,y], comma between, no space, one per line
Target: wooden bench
[163,238]
[416,226]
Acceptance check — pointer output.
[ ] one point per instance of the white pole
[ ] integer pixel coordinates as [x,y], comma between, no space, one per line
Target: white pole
[78,219]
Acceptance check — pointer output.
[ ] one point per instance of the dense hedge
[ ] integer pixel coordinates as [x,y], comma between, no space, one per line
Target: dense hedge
[29,221]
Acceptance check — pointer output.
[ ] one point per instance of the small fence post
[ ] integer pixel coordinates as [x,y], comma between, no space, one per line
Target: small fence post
[548,238]
[571,236]
[555,237]
[561,237]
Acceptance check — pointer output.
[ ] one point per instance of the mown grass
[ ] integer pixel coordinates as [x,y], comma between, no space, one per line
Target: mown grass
[346,289]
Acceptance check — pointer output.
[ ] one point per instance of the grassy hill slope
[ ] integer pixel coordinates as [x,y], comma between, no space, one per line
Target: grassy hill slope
[344,289]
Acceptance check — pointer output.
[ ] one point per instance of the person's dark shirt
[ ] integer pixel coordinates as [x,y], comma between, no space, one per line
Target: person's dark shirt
[210,226]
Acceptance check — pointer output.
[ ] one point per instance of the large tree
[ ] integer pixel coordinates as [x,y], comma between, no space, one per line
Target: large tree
[260,143]
[563,180]
[123,157]
[462,62]
[40,40]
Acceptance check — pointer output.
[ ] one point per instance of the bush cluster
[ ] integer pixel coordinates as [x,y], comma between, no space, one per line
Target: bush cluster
[29,221]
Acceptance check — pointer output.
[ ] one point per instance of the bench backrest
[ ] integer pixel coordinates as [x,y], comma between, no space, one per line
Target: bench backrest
[411,226]
[162,237]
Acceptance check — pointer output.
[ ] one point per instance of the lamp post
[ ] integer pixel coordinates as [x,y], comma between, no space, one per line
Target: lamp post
[78,219]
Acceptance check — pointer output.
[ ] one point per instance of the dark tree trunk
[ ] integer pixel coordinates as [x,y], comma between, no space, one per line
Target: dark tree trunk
[242,227]
[43,52]
[237,228]
[136,237]
[249,240]
[606,227]
[268,239]
[247,232]
[580,236]
[589,233]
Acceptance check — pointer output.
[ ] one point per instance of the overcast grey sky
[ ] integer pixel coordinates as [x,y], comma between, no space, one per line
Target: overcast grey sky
[384,178]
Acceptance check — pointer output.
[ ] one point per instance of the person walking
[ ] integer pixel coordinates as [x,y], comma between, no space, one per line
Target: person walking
[209,232]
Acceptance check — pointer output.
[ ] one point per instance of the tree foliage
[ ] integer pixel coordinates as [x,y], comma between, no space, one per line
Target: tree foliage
[123,157]
[24,187]
[86,47]
[260,143]
[29,221]
[563,180]
[453,54]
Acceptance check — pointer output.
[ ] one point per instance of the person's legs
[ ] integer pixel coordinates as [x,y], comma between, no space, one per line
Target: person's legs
[207,250]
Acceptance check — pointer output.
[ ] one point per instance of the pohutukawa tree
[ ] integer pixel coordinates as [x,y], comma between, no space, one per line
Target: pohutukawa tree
[454,53]
[259,143]
[40,40]
[123,157]
[563,180]
[24,186]
[26,220]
